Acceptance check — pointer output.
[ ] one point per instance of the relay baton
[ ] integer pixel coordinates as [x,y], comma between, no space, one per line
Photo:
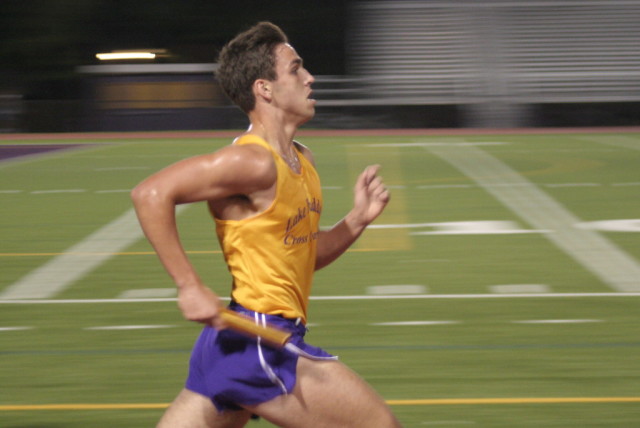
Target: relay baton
[247,326]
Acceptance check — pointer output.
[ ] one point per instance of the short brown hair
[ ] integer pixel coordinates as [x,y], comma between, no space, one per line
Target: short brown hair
[246,58]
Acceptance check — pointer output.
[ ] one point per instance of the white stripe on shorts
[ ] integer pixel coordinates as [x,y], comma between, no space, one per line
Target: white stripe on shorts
[265,366]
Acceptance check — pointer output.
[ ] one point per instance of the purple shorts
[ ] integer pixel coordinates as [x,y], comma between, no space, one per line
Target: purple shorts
[233,370]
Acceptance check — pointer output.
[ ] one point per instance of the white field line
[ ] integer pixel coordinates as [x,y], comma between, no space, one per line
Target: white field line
[593,251]
[552,185]
[122,168]
[375,290]
[413,323]
[626,184]
[57,274]
[615,140]
[519,288]
[129,327]
[338,298]
[54,191]
[418,187]
[113,191]
[564,321]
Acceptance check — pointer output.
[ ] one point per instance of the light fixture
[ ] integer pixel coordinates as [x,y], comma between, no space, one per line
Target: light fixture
[137,54]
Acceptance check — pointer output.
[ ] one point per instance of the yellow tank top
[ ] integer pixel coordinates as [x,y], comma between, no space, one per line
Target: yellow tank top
[271,256]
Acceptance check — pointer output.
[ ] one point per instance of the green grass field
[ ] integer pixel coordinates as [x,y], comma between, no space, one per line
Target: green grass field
[499,289]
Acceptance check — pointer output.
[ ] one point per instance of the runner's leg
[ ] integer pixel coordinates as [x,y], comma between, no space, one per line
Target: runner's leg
[327,394]
[191,410]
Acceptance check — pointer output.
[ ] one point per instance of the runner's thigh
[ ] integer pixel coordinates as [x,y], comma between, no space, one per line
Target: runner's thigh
[327,394]
[192,410]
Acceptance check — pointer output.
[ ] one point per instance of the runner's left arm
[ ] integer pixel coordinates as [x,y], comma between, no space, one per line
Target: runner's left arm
[370,199]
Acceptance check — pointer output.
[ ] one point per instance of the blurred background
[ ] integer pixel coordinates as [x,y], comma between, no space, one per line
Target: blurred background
[504,274]
[387,64]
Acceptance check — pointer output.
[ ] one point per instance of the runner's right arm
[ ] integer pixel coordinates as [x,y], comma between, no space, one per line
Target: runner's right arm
[231,171]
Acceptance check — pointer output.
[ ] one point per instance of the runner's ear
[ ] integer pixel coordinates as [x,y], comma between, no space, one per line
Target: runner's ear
[262,89]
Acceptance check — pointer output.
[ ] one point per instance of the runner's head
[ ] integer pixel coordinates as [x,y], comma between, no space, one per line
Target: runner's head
[246,58]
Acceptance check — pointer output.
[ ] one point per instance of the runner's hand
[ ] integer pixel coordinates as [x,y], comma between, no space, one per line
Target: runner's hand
[198,303]
[371,195]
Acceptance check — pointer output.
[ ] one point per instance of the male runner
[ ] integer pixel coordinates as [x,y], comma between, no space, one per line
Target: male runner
[264,195]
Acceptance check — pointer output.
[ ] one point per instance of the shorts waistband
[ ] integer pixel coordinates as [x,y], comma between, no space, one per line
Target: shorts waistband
[294,325]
